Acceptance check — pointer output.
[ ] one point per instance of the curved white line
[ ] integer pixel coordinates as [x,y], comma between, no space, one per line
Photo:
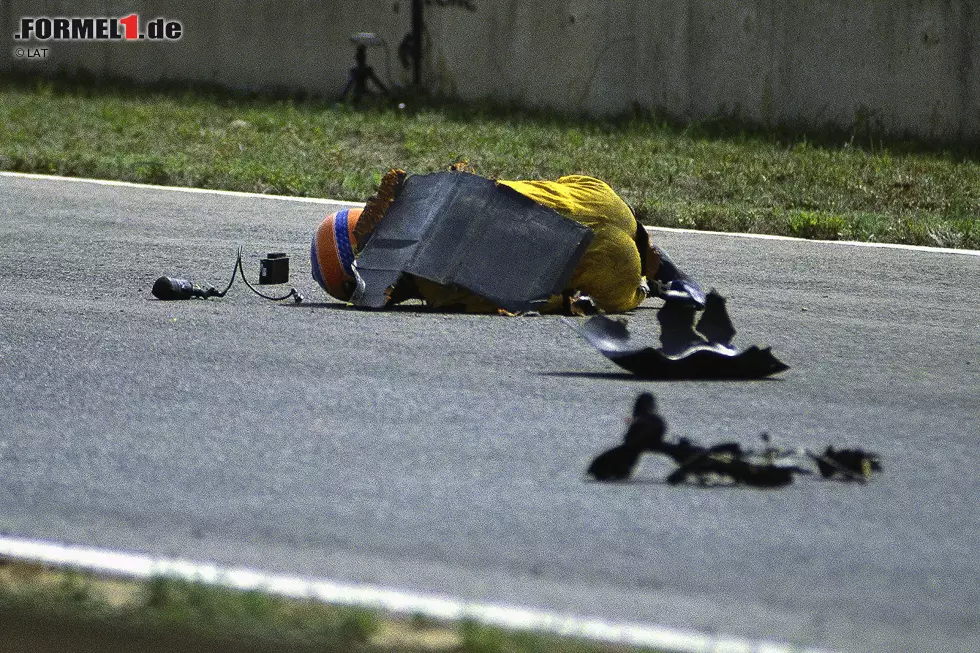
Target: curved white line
[139,566]
[851,243]
[179,189]
[317,200]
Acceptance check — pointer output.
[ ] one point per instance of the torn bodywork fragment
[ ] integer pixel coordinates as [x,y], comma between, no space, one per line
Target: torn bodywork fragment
[847,464]
[459,229]
[688,351]
[725,462]
[729,462]
[645,433]
[771,467]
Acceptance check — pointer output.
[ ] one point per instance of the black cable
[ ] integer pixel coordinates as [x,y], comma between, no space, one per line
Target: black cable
[292,291]
[234,271]
[239,268]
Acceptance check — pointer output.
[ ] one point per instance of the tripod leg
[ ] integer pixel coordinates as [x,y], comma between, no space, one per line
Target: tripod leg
[360,86]
[347,88]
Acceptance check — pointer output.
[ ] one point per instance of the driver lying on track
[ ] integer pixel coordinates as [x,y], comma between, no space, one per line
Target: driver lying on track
[606,262]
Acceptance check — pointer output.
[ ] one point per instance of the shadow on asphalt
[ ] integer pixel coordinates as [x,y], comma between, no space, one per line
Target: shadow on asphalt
[400,308]
[626,376]
[662,482]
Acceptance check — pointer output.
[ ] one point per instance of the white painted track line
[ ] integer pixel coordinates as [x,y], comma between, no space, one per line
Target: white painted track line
[317,200]
[138,566]
[847,243]
[178,189]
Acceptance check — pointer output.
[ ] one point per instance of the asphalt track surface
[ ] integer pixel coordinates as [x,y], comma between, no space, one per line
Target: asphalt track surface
[445,453]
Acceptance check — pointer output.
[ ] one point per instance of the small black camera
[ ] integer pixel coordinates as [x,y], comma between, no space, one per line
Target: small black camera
[274,268]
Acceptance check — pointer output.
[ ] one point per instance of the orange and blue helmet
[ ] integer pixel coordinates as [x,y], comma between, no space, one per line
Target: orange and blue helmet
[332,253]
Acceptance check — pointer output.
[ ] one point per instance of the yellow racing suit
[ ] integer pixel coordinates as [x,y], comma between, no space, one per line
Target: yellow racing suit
[610,271]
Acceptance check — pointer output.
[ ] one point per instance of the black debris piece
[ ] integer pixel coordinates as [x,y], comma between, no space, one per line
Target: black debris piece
[725,462]
[715,324]
[686,352]
[645,433]
[615,464]
[846,464]
[646,426]
[677,334]
[670,283]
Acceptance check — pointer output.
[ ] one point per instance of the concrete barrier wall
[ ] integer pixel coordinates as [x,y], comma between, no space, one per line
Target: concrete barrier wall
[910,66]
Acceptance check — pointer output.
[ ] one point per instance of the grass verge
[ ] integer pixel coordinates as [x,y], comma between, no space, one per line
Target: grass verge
[46,609]
[724,175]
